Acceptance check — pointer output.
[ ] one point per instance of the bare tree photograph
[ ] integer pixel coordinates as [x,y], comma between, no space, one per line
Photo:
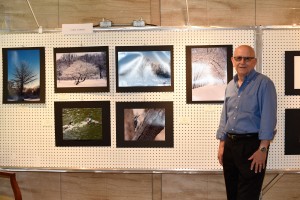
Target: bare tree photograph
[209,70]
[81,69]
[24,75]
[145,124]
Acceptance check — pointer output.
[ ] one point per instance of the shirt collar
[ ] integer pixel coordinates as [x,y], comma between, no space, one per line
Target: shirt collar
[249,77]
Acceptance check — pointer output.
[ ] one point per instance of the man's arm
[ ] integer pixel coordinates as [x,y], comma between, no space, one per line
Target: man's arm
[221,151]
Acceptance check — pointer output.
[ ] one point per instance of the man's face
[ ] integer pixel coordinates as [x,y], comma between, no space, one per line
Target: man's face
[243,60]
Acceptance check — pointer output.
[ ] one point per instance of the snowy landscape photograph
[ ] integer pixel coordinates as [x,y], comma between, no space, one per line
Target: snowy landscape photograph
[81,69]
[144,68]
[208,71]
[23,75]
[85,123]
[292,73]
[82,123]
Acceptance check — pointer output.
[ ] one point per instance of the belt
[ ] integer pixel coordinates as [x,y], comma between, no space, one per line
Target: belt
[239,136]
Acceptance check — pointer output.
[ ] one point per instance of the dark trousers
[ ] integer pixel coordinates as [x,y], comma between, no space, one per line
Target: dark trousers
[241,182]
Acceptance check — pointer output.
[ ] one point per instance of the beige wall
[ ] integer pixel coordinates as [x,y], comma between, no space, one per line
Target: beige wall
[50,14]
[140,186]
[16,15]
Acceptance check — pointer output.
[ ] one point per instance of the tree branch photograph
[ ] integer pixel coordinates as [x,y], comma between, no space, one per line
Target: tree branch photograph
[23,75]
[81,69]
[144,124]
[209,69]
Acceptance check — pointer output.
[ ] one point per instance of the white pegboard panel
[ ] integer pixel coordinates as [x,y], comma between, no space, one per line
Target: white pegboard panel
[275,43]
[28,133]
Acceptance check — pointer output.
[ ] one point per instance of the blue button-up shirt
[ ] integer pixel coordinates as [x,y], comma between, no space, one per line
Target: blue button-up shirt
[251,108]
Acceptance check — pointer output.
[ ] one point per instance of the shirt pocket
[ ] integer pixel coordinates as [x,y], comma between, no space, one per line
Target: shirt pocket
[249,103]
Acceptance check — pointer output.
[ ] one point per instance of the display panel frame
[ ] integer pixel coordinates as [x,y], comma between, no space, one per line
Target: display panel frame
[144,121]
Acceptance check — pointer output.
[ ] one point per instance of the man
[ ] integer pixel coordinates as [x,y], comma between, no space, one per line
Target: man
[247,126]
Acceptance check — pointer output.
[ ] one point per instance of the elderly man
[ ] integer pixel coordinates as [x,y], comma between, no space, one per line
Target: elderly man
[247,125]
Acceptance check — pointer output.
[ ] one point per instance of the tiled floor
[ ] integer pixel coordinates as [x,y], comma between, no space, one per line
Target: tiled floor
[146,186]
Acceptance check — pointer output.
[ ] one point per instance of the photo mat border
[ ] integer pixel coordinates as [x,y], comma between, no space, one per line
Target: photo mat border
[169,138]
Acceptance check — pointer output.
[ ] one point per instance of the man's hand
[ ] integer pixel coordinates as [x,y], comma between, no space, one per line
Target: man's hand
[258,161]
[259,157]
[221,151]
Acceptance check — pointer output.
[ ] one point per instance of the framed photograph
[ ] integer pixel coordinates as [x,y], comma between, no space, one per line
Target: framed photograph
[144,69]
[144,124]
[23,75]
[208,70]
[292,73]
[81,69]
[82,123]
[292,135]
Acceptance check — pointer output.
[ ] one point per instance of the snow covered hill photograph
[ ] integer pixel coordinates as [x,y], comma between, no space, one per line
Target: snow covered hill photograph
[144,68]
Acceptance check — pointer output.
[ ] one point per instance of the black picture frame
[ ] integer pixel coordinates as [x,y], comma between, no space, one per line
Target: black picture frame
[144,68]
[202,84]
[23,75]
[131,126]
[82,123]
[292,72]
[292,135]
[81,69]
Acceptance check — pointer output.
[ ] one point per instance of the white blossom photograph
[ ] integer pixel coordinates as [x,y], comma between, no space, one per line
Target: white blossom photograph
[81,69]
